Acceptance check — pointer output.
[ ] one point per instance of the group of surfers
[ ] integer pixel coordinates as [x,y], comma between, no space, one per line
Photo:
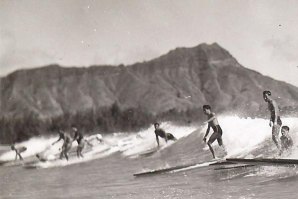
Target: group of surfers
[66,146]
[283,143]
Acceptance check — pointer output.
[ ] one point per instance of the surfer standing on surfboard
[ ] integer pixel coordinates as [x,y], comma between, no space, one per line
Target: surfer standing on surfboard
[78,136]
[67,142]
[159,132]
[213,123]
[275,120]
[18,151]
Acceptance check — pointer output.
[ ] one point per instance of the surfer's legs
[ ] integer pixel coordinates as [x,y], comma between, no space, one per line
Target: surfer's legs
[220,143]
[62,153]
[66,156]
[21,158]
[80,149]
[212,138]
[211,149]
[66,149]
[79,152]
[219,138]
[275,133]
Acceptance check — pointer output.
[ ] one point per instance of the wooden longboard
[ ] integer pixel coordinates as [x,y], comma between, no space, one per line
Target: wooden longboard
[264,161]
[234,166]
[164,170]
[181,167]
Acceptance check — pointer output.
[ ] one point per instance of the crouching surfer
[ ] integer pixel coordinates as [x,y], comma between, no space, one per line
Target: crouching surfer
[18,151]
[159,132]
[285,140]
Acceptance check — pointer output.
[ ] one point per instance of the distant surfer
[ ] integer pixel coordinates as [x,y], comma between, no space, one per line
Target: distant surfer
[159,132]
[285,140]
[78,136]
[99,138]
[275,121]
[213,123]
[40,158]
[95,139]
[67,142]
[18,151]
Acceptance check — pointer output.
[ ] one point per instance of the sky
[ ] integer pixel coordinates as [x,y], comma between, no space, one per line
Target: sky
[261,35]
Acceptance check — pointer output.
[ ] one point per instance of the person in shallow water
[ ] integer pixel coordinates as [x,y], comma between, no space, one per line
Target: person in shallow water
[213,123]
[159,132]
[275,120]
[18,151]
[67,142]
[285,140]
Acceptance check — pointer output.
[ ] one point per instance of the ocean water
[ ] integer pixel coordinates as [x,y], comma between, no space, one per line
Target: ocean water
[107,172]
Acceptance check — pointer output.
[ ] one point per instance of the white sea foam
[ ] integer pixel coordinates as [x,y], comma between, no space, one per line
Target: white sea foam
[133,144]
[242,135]
[97,152]
[34,146]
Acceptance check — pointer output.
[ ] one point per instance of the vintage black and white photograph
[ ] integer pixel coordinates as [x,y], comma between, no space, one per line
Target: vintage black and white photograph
[148,99]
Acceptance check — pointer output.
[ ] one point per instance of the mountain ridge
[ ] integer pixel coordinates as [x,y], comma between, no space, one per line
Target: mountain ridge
[182,80]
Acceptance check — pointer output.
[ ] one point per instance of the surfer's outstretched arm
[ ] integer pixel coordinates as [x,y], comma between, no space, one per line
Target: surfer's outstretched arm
[57,141]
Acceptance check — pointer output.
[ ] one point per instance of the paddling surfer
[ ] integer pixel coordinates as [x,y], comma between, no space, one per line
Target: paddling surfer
[159,132]
[213,123]
[285,140]
[18,151]
[67,142]
[275,121]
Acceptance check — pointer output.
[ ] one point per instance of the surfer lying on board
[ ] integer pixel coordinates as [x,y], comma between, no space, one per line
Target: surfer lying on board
[275,120]
[67,142]
[18,151]
[213,123]
[285,140]
[78,136]
[159,132]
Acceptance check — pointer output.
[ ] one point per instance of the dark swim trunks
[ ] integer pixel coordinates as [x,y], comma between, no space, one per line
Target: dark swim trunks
[278,121]
[217,135]
[171,137]
[79,137]
[161,133]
